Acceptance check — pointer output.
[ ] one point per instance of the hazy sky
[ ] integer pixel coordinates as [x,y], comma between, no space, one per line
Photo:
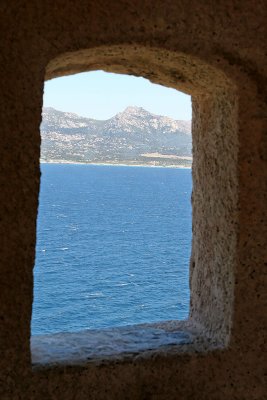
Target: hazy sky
[101,95]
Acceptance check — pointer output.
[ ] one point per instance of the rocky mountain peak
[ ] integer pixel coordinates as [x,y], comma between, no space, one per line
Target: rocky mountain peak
[132,113]
[134,110]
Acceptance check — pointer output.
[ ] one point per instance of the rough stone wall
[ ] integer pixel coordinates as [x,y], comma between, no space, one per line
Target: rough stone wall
[214,203]
[217,53]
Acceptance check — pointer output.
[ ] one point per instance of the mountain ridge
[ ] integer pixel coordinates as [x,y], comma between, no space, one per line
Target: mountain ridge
[129,137]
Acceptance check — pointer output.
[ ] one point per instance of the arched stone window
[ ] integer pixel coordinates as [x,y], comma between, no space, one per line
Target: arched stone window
[215,146]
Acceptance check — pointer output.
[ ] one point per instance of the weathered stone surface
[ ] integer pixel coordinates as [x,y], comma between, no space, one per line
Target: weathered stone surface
[111,343]
[217,53]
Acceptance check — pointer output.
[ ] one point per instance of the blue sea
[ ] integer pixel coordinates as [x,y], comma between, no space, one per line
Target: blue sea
[113,247]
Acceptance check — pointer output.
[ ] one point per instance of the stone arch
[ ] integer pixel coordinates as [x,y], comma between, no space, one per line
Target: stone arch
[181,71]
[215,148]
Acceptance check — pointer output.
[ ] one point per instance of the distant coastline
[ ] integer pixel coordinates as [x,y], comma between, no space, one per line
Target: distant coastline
[115,164]
[133,137]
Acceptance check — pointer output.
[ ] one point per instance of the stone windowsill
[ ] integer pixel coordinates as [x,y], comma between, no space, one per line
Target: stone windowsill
[91,345]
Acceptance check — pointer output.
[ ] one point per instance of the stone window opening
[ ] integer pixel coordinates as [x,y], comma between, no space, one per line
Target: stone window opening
[214,129]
